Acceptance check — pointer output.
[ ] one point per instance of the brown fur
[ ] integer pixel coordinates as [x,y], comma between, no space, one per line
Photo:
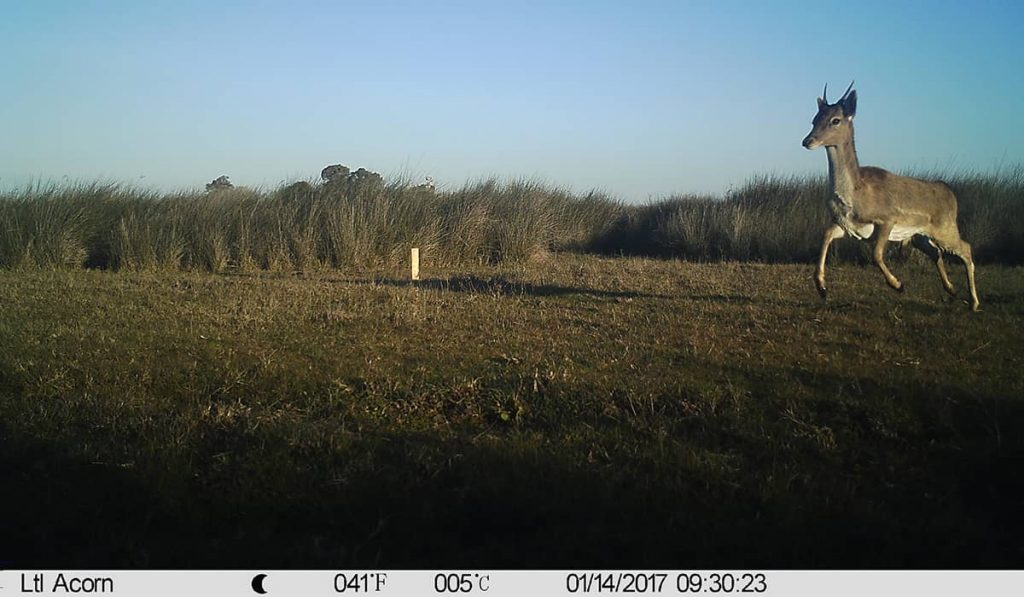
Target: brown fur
[874,204]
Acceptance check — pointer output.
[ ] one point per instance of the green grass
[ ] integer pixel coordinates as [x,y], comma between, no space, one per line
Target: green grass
[563,411]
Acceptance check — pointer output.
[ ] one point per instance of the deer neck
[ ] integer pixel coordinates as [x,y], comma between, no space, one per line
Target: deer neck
[843,170]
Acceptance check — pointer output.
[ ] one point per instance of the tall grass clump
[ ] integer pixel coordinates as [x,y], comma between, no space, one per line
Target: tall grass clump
[992,213]
[582,222]
[148,234]
[49,226]
[359,221]
[778,218]
[514,221]
[374,225]
[362,221]
[697,228]
[490,221]
[771,219]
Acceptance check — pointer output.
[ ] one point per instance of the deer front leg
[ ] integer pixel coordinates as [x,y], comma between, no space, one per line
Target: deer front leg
[834,231]
[882,232]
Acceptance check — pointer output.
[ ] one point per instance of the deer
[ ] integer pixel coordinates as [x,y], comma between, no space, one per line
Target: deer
[877,206]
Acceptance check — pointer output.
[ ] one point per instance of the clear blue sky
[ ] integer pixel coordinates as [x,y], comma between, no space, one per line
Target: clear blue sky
[640,99]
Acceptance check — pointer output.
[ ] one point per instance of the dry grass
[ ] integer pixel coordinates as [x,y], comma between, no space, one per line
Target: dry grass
[771,219]
[575,411]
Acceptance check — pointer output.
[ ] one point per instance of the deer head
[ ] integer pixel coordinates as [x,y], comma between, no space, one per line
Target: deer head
[833,124]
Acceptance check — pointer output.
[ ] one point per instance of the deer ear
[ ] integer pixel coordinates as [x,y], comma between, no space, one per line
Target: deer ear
[850,104]
[821,103]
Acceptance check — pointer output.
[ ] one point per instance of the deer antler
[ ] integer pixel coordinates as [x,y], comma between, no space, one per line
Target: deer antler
[824,94]
[847,91]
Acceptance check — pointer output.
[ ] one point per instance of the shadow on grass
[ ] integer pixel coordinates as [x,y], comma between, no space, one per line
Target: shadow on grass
[502,286]
[931,471]
[457,505]
[57,509]
[468,283]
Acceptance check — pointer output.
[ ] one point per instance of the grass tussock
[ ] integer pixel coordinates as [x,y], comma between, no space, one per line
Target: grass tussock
[367,222]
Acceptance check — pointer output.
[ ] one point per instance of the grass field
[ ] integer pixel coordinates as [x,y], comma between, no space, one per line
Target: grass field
[563,412]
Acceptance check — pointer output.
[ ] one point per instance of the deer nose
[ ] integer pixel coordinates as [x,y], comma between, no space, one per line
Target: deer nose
[808,140]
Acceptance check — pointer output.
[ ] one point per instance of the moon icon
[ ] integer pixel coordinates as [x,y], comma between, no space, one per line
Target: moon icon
[257,583]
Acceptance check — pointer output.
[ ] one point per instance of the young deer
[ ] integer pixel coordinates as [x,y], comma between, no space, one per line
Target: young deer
[876,205]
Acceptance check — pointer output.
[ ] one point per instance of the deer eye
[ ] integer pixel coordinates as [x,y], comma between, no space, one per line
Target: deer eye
[835,121]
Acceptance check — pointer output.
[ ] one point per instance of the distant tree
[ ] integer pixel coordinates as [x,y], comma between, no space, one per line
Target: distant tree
[221,182]
[363,176]
[334,173]
[341,178]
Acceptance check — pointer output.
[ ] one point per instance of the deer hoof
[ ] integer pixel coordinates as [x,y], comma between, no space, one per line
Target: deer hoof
[823,293]
[901,288]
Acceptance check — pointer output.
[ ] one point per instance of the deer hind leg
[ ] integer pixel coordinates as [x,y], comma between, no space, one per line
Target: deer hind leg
[834,231]
[928,247]
[882,233]
[963,251]
[952,243]
[969,262]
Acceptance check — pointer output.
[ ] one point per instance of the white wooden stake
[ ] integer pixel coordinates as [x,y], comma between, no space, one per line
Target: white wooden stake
[415,263]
